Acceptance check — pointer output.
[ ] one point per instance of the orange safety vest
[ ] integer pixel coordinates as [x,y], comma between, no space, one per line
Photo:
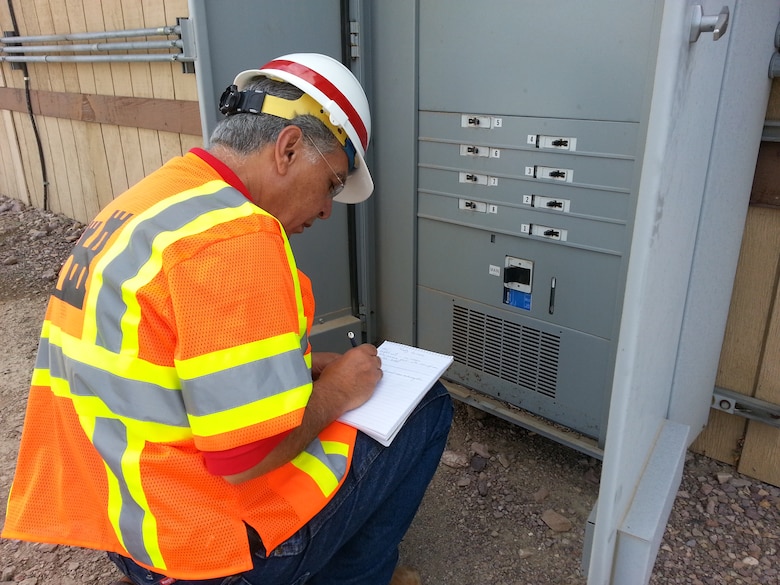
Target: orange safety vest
[179,325]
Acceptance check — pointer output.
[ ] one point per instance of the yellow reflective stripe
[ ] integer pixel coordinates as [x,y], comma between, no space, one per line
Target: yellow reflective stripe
[318,471]
[123,239]
[302,323]
[88,407]
[151,268]
[131,470]
[239,355]
[256,412]
[335,448]
[130,367]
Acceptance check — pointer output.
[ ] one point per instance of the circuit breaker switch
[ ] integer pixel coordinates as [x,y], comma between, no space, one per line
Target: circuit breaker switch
[518,274]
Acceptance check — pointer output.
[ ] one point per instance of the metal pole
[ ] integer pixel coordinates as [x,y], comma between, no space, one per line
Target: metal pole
[116,34]
[131,46]
[145,58]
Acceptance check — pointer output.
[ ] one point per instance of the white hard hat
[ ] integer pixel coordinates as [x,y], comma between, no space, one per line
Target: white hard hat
[343,108]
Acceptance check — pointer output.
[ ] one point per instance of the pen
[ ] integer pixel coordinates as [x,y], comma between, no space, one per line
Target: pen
[352,339]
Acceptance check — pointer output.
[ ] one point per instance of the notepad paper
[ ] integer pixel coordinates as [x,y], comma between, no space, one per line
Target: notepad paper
[407,374]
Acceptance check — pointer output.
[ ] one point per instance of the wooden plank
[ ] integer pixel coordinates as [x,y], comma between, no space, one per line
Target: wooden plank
[188,142]
[115,157]
[162,73]
[761,455]
[185,87]
[766,181]
[154,114]
[151,153]
[751,302]
[31,160]
[93,19]
[133,157]
[722,438]
[751,305]
[78,23]
[13,157]
[170,145]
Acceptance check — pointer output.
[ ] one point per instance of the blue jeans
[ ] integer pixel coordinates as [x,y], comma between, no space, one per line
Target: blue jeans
[354,539]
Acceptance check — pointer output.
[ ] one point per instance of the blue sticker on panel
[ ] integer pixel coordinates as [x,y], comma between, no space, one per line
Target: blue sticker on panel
[521,300]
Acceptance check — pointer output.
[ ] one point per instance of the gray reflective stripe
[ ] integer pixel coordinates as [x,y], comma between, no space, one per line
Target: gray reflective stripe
[110,439]
[110,306]
[337,463]
[304,343]
[245,384]
[42,359]
[138,400]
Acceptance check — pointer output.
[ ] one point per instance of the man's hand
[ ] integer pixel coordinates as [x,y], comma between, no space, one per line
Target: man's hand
[350,380]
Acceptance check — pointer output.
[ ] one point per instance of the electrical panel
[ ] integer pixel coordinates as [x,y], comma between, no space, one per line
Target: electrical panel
[526,175]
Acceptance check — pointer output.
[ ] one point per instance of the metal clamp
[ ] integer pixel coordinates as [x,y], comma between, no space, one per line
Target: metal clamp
[717,25]
[746,406]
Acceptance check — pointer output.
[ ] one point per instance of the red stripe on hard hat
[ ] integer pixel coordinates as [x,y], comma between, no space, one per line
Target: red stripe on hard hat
[325,86]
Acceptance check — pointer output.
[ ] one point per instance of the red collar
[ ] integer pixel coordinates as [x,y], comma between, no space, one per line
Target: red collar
[224,171]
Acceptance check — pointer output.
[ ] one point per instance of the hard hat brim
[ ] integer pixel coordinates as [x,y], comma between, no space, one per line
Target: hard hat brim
[359,184]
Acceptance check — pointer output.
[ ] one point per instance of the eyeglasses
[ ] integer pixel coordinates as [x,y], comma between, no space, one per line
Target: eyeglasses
[338,188]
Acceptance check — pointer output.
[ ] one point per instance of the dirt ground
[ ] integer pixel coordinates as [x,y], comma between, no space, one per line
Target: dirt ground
[506,507]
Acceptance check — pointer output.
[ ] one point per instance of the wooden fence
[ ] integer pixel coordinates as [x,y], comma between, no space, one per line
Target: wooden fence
[103,126]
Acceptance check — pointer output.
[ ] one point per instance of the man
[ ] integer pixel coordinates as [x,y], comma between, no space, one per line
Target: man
[178,418]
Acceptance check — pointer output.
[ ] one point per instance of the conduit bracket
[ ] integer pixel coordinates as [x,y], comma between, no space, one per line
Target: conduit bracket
[746,406]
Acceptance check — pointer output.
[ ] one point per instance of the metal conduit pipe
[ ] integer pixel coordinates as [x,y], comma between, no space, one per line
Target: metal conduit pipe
[130,46]
[115,34]
[145,58]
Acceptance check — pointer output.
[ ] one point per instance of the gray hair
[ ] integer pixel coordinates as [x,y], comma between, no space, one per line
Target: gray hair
[247,133]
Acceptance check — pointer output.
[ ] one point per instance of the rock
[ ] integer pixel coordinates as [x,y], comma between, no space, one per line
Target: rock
[724,478]
[481,450]
[556,521]
[503,460]
[478,463]
[541,495]
[454,459]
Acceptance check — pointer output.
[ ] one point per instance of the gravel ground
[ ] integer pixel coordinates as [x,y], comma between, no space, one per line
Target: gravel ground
[506,507]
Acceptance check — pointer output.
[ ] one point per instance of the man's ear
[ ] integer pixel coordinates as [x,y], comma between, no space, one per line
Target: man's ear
[288,148]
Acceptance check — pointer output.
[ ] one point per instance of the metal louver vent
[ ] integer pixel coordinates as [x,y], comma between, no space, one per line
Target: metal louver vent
[516,353]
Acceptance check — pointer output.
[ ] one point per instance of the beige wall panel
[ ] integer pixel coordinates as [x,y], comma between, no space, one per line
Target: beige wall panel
[31,161]
[761,454]
[170,145]
[8,184]
[99,165]
[78,188]
[16,185]
[751,301]
[27,18]
[56,166]
[751,306]
[140,74]
[131,148]
[722,438]
[115,157]
[101,72]
[161,73]
[183,83]
[188,142]
[74,12]
[151,156]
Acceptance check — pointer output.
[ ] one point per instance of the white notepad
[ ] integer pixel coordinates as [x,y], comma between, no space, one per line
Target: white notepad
[407,374]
